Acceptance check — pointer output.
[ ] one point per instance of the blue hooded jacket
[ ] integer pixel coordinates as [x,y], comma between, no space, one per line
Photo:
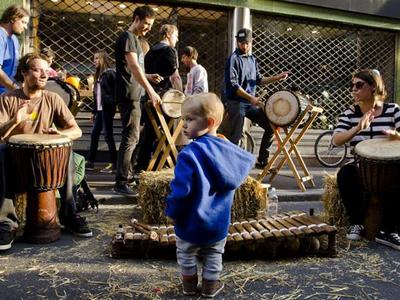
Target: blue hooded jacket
[207,173]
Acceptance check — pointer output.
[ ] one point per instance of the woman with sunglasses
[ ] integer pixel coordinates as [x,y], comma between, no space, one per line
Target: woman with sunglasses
[368,118]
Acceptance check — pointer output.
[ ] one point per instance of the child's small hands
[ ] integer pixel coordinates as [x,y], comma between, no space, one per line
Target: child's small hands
[170,221]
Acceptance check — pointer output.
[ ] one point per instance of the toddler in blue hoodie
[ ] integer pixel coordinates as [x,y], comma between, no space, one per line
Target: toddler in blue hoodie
[208,171]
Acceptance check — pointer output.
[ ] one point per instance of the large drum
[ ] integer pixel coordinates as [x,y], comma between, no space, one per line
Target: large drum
[283,108]
[40,164]
[379,164]
[379,167]
[171,103]
[66,91]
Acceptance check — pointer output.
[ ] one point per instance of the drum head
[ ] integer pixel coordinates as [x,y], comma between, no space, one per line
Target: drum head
[38,139]
[63,89]
[172,103]
[282,108]
[379,149]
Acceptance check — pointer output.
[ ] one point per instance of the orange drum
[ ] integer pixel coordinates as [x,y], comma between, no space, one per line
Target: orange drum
[40,164]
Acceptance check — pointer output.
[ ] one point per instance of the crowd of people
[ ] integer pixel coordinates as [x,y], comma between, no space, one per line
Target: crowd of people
[198,205]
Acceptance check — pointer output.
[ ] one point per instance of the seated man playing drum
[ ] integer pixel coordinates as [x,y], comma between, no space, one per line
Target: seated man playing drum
[368,118]
[33,110]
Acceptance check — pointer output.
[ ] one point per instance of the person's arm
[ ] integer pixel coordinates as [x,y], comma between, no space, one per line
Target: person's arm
[140,77]
[181,186]
[6,81]
[7,127]
[342,137]
[176,81]
[271,79]
[71,130]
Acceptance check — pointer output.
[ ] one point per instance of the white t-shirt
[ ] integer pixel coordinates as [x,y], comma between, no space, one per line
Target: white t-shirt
[197,81]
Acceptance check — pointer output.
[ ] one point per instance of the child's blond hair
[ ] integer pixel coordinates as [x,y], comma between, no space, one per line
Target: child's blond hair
[207,105]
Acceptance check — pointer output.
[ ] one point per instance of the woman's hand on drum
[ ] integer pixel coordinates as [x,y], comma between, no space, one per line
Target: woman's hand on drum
[392,134]
[366,119]
[155,78]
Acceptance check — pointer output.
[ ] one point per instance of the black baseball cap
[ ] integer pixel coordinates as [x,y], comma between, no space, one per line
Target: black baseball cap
[244,35]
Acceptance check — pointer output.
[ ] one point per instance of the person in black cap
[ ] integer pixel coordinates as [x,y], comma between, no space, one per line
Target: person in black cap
[241,78]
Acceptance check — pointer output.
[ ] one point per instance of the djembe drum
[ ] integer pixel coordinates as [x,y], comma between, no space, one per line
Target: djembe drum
[379,167]
[171,103]
[283,108]
[40,164]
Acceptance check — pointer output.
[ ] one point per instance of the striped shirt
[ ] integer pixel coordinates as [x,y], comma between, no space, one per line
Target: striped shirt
[388,119]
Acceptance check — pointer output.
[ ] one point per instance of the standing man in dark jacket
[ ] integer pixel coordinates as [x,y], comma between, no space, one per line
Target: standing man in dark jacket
[130,82]
[242,76]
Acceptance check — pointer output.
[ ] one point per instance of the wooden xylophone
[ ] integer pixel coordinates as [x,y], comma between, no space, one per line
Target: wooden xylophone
[293,234]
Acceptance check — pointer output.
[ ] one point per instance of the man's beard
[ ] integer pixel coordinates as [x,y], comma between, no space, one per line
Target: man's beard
[36,87]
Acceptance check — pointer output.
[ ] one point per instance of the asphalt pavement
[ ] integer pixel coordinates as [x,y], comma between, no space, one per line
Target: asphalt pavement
[79,268]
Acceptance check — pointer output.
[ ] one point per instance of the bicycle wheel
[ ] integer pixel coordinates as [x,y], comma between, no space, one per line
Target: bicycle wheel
[247,142]
[326,153]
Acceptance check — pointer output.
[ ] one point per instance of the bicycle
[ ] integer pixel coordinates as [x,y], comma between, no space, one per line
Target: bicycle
[326,152]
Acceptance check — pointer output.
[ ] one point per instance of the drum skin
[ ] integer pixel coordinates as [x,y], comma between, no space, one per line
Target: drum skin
[379,164]
[172,103]
[284,107]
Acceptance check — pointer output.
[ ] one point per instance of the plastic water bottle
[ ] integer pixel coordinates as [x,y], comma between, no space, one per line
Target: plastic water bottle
[272,202]
[120,232]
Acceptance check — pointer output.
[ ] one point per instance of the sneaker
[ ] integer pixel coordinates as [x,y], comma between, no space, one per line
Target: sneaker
[354,233]
[108,169]
[89,166]
[189,284]
[6,239]
[124,189]
[78,226]
[391,239]
[261,164]
[211,288]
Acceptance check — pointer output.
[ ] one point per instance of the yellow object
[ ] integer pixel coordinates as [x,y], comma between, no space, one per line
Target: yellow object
[73,80]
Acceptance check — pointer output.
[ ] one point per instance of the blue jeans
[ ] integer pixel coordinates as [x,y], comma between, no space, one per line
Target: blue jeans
[103,120]
[187,254]
[130,118]
[237,111]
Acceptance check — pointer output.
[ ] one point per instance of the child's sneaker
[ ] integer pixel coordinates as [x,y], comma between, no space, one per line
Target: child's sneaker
[354,233]
[211,288]
[391,239]
[189,284]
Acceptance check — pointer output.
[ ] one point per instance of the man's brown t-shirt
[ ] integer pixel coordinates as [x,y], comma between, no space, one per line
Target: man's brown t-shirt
[44,110]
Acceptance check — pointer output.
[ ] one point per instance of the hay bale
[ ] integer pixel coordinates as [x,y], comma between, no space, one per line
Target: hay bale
[334,211]
[154,188]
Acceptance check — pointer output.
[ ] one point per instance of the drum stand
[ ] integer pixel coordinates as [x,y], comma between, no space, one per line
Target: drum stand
[311,112]
[166,136]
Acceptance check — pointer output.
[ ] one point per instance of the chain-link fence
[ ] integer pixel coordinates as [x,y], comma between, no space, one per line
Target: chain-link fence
[75,29]
[321,57]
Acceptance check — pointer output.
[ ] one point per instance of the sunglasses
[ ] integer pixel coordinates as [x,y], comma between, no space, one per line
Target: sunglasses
[358,85]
